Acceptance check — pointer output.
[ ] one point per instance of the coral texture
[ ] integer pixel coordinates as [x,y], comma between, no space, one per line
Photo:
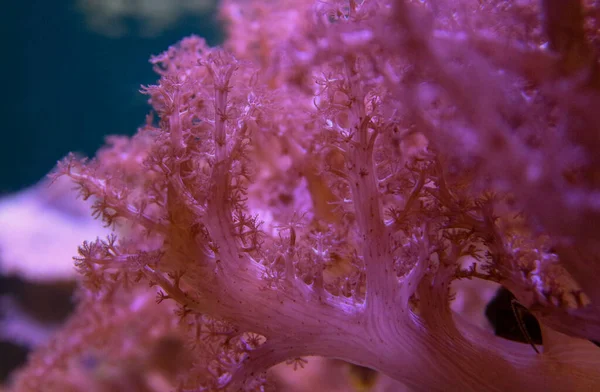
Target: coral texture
[315,186]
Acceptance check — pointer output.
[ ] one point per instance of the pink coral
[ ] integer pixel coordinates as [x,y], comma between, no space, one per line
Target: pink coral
[315,187]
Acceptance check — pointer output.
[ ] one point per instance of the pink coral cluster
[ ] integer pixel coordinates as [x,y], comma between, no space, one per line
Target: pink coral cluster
[317,185]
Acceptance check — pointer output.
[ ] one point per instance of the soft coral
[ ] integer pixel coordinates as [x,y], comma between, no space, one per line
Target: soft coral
[342,241]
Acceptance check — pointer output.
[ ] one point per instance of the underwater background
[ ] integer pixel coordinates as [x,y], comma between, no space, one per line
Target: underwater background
[72,70]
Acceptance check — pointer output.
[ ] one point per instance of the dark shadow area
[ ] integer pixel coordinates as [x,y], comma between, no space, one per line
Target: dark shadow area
[502,314]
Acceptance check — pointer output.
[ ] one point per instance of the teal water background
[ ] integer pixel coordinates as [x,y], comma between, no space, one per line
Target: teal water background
[65,86]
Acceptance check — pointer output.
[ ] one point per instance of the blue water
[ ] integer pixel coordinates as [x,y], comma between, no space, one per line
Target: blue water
[64,86]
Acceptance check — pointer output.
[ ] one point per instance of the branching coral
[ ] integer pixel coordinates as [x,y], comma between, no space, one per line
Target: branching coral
[315,187]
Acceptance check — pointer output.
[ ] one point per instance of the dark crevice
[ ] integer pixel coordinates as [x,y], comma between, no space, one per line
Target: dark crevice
[500,312]
[13,356]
